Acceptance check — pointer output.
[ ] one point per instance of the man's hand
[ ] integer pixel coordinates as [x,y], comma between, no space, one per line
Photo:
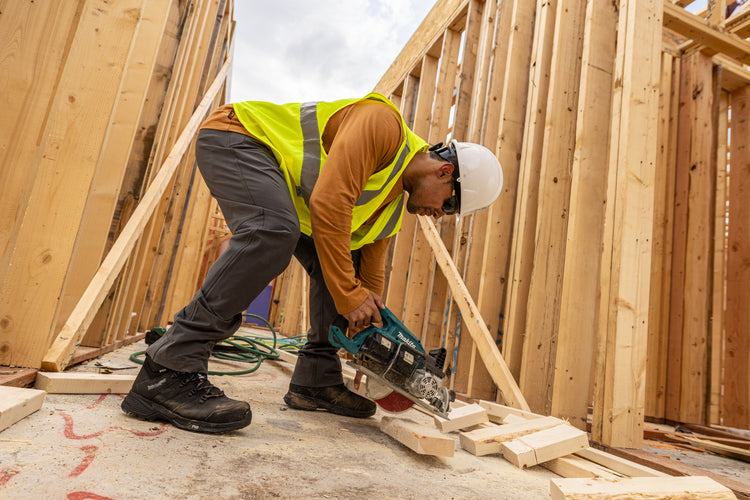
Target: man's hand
[368,312]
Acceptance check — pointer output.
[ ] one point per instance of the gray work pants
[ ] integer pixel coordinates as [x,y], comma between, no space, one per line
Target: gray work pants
[249,186]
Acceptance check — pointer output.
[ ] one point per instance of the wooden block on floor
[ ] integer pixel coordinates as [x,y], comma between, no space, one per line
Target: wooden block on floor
[486,441]
[423,439]
[617,464]
[575,466]
[498,412]
[545,445]
[461,418]
[17,377]
[16,403]
[83,383]
[651,488]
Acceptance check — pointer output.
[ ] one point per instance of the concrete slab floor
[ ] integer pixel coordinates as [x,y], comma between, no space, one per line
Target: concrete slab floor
[80,447]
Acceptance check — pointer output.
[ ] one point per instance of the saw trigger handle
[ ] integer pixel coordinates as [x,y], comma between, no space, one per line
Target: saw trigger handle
[337,334]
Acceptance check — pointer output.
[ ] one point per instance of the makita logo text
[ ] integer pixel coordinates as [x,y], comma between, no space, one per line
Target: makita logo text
[406,341]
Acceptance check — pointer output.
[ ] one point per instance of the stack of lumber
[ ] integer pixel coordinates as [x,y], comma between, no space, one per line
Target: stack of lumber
[526,439]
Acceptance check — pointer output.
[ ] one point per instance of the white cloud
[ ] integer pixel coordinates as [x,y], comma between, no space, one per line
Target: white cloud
[300,50]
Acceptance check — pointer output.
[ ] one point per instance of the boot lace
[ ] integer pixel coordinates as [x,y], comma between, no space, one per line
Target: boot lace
[201,386]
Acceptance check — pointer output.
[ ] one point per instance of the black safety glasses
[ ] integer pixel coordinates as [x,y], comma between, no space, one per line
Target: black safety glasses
[448,153]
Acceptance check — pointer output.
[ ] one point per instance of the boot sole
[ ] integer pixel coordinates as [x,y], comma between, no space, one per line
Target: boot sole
[306,403]
[145,409]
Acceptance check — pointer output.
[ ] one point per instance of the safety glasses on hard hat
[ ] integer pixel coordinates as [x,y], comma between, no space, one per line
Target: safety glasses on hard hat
[448,153]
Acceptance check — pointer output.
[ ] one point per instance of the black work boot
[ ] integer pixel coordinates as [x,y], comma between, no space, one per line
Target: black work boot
[187,400]
[335,399]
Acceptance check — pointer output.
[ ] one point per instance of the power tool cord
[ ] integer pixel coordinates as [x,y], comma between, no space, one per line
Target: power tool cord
[242,348]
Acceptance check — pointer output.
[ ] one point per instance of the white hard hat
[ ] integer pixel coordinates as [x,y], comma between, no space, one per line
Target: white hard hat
[478,174]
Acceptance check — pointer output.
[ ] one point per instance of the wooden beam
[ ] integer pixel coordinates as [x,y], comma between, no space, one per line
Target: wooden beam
[676,488]
[527,195]
[714,40]
[577,467]
[488,351]
[420,438]
[736,401]
[550,239]
[439,19]
[661,262]
[626,257]
[716,15]
[498,231]
[17,403]
[618,464]
[58,356]
[573,368]
[698,253]
[471,376]
[717,339]
[509,150]
[545,445]
[83,383]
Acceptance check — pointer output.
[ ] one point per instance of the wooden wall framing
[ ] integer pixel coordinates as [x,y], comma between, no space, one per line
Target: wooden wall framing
[607,283]
[103,104]
[609,270]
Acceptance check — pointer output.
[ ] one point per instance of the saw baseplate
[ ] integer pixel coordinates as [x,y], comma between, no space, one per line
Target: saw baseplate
[417,401]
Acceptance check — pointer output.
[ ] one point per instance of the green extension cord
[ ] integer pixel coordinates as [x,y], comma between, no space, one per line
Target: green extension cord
[244,349]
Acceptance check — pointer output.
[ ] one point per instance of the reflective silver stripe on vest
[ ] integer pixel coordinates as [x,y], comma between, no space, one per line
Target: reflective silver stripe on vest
[310,150]
[368,196]
[391,224]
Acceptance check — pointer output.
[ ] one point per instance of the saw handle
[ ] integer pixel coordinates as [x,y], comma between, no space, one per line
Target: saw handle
[337,335]
[337,332]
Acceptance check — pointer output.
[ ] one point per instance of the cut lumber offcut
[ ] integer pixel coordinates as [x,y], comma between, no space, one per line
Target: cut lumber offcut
[16,403]
[83,383]
[421,438]
[651,488]
[713,446]
[619,465]
[545,445]
[487,440]
[574,466]
[461,418]
[498,412]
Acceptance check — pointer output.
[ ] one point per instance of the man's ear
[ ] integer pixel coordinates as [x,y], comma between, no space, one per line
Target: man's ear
[445,170]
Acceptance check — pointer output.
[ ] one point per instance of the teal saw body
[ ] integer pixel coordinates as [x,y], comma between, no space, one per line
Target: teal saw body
[391,356]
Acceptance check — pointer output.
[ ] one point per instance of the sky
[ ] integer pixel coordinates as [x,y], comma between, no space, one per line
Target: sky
[317,50]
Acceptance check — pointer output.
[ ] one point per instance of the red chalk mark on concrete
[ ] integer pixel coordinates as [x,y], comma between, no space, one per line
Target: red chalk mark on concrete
[90,452]
[6,474]
[70,434]
[85,495]
[102,397]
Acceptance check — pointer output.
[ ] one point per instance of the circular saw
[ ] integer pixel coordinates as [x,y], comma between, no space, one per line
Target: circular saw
[399,372]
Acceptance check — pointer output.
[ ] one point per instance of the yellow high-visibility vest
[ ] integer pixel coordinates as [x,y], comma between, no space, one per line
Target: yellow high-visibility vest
[293,132]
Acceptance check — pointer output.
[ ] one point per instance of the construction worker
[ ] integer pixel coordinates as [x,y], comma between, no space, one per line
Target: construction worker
[324,182]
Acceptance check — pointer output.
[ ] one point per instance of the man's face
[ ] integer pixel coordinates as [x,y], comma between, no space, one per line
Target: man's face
[429,195]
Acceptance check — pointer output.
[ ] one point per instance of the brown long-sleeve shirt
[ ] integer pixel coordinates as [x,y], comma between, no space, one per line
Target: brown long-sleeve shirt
[360,139]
